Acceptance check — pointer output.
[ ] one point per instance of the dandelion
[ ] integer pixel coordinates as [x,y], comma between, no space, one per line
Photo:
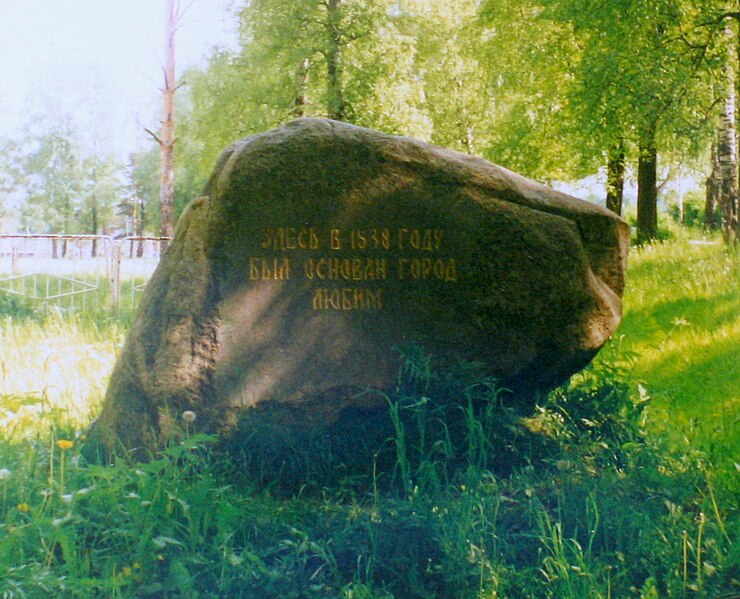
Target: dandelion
[188,416]
[23,507]
[64,445]
[127,571]
[5,473]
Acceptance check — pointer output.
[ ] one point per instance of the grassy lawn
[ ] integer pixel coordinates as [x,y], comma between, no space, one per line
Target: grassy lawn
[621,484]
[682,320]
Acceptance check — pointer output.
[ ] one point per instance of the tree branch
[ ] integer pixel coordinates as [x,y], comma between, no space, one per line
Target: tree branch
[154,135]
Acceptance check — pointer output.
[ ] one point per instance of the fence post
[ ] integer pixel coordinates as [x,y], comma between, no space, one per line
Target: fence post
[14,257]
[115,279]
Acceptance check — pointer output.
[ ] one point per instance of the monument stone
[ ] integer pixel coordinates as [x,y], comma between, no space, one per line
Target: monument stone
[319,247]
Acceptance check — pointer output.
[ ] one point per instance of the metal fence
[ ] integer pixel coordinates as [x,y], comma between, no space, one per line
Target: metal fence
[78,272]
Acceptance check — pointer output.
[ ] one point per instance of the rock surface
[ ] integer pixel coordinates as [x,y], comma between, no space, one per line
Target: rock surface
[319,247]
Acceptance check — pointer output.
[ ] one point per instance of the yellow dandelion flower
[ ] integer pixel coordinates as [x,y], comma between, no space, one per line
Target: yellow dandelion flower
[127,570]
[23,507]
[65,444]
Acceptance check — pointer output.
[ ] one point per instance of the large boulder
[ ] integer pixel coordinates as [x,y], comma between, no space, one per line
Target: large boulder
[319,247]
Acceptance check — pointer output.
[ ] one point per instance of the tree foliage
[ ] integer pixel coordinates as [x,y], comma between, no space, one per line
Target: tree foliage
[554,89]
[57,189]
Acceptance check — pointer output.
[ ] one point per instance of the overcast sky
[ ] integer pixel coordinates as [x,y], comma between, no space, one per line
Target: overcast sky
[98,60]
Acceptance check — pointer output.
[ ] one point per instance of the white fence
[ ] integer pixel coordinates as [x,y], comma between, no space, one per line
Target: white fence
[78,272]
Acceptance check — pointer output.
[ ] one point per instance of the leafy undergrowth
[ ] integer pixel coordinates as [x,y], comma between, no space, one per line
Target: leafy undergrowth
[577,499]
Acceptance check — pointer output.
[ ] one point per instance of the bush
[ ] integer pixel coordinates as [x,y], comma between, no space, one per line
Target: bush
[692,214]
[18,308]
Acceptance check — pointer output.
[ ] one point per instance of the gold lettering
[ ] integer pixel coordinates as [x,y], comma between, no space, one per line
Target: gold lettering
[416,268]
[359,239]
[360,299]
[444,269]
[382,269]
[402,267]
[333,269]
[254,271]
[415,239]
[267,240]
[401,234]
[451,271]
[263,269]
[334,299]
[279,241]
[439,269]
[347,298]
[318,299]
[291,239]
[426,268]
[336,240]
[427,242]
[309,269]
[437,239]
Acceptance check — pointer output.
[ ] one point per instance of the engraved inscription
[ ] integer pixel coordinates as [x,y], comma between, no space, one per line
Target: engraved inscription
[276,269]
[366,257]
[347,269]
[348,298]
[290,238]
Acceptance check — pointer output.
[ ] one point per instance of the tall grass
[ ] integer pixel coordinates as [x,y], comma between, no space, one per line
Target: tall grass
[57,363]
[594,494]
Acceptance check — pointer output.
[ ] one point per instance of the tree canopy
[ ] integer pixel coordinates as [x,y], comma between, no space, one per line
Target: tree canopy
[555,90]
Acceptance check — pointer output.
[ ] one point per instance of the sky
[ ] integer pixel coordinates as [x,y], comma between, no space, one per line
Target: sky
[98,62]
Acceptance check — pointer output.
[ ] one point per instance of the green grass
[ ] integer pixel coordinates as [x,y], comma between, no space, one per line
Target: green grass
[619,485]
[682,320]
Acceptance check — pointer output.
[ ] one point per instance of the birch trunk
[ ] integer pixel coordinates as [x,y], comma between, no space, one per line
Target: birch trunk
[727,146]
[301,99]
